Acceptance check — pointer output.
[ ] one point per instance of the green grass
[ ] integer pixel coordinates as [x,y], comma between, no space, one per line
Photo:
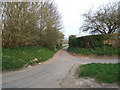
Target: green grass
[66,45]
[13,59]
[107,50]
[107,73]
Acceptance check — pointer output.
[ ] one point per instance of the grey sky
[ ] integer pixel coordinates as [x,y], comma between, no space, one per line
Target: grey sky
[72,11]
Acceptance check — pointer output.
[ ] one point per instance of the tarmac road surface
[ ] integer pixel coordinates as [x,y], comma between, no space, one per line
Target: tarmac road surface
[48,74]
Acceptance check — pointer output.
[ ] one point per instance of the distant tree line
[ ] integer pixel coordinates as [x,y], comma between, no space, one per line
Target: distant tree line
[31,24]
[105,20]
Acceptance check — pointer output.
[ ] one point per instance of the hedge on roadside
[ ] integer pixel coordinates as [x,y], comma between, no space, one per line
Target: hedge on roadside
[88,41]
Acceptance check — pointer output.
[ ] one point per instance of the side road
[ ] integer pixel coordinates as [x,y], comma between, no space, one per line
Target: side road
[47,75]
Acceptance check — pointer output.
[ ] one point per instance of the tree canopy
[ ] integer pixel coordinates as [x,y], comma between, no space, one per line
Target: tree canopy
[31,24]
[102,21]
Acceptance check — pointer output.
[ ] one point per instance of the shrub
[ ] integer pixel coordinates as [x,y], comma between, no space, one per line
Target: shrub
[88,41]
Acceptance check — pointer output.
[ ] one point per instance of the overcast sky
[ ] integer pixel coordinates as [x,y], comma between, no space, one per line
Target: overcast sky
[72,10]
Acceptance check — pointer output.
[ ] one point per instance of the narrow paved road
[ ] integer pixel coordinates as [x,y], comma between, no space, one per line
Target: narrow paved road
[47,75]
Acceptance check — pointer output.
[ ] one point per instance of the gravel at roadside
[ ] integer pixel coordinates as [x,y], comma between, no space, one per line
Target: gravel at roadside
[71,81]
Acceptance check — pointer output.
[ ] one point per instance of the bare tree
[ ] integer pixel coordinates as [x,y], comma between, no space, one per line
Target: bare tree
[104,20]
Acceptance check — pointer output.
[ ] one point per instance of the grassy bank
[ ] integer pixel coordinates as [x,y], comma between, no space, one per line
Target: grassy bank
[107,73]
[107,50]
[13,59]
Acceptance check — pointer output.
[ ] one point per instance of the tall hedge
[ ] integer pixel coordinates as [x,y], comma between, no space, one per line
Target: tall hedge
[72,41]
[88,41]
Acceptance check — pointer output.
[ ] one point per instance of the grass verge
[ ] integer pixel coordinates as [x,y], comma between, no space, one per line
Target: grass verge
[13,59]
[107,73]
[64,46]
[107,50]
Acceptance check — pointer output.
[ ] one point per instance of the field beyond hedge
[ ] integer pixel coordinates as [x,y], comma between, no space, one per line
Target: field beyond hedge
[15,58]
[106,50]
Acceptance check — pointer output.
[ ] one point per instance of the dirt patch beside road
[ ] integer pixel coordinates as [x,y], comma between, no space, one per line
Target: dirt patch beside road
[71,81]
[102,57]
